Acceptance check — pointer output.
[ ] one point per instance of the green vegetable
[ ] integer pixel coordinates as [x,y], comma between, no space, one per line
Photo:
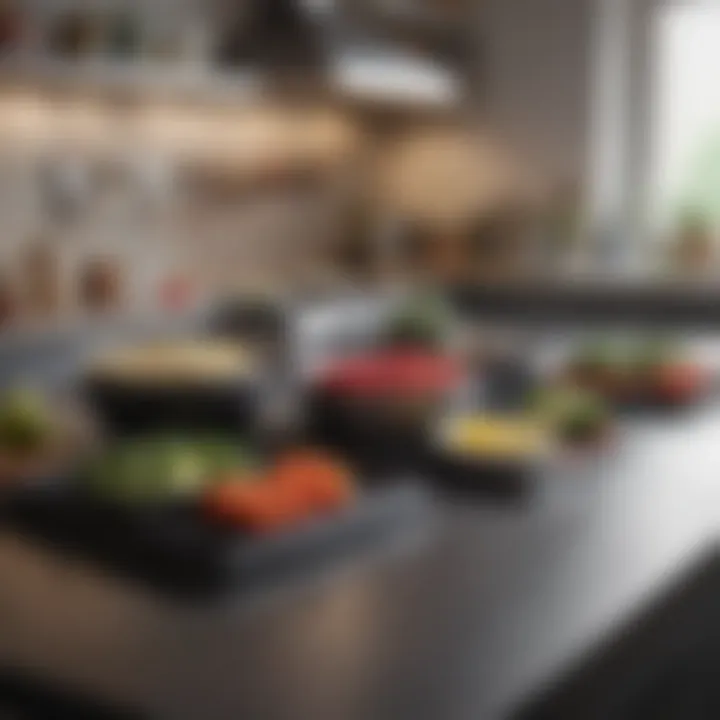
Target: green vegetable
[573,413]
[25,421]
[599,356]
[653,354]
[631,356]
[156,469]
[421,322]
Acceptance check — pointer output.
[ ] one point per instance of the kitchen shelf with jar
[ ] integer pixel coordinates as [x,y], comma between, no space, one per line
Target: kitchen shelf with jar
[154,80]
[117,44]
[183,53]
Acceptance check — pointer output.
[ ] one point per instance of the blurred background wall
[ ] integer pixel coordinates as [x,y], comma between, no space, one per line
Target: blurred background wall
[536,61]
[526,125]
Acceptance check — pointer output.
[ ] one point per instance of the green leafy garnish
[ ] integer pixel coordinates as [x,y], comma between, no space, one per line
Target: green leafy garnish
[156,469]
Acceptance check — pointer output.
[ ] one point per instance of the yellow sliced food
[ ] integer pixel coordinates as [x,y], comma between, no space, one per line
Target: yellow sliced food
[176,362]
[495,437]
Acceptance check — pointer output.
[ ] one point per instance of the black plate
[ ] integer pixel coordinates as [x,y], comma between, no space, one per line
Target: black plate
[175,549]
[650,403]
[127,408]
[506,481]
[373,440]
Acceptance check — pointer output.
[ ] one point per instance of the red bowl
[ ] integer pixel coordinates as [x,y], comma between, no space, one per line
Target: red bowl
[395,373]
[679,382]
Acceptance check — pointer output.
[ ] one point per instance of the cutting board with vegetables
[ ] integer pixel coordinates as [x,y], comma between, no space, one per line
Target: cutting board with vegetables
[194,515]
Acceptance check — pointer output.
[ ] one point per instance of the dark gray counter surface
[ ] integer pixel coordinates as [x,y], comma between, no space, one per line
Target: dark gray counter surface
[461,624]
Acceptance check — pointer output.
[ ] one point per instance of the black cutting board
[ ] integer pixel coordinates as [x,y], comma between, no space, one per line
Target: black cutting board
[175,549]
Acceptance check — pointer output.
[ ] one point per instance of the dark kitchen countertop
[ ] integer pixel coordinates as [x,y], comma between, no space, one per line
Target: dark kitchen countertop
[490,602]
[493,601]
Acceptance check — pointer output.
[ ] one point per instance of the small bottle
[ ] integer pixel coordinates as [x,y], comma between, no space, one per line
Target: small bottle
[100,284]
[41,279]
[123,35]
[12,27]
[75,34]
[694,245]
[8,303]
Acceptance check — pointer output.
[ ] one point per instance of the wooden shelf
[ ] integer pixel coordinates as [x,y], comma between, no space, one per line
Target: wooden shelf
[136,76]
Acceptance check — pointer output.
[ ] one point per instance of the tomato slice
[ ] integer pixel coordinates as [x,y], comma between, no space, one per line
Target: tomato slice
[222,500]
[394,372]
[260,506]
[301,484]
[315,480]
[680,381]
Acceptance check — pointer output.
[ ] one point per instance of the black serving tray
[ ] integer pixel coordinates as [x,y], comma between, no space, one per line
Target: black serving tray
[373,442]
[511,481]
[129,408]
[175,549]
